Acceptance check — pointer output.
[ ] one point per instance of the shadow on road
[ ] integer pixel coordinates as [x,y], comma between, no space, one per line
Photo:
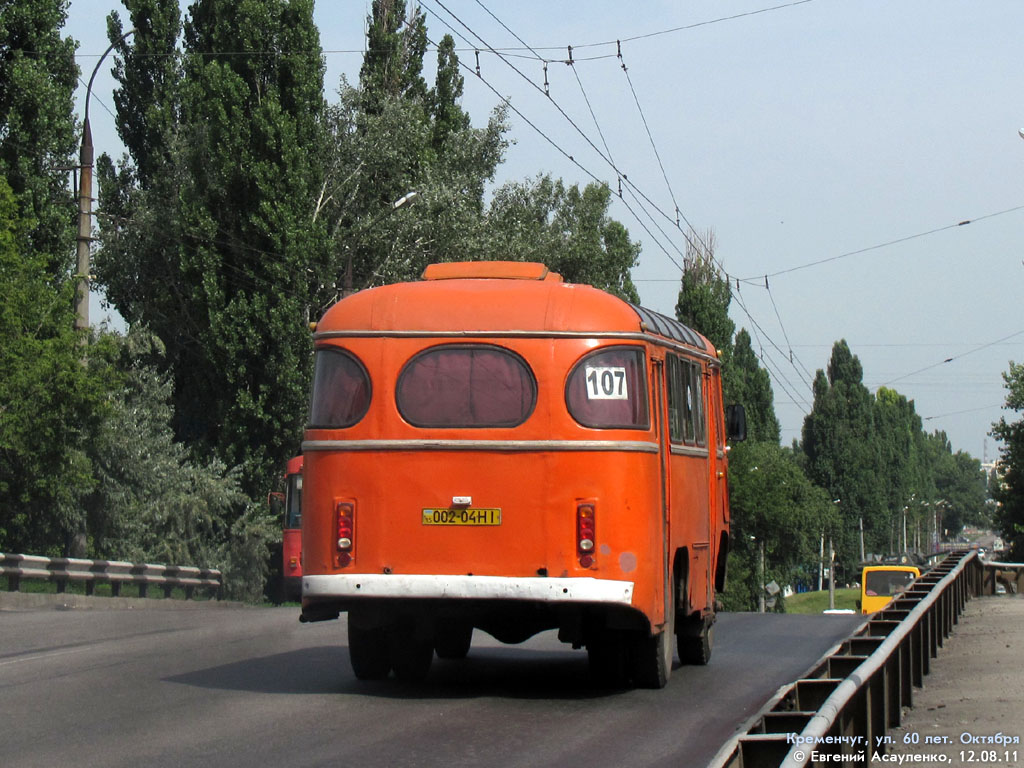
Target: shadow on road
[493,672]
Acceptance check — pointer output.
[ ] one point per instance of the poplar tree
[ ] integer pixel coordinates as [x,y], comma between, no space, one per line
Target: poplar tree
[839,441]
[705,295]
[217,240]
[751,386]
[38,76]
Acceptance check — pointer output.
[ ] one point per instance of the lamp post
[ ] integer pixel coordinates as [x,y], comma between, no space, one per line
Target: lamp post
[408,197]
[85,160]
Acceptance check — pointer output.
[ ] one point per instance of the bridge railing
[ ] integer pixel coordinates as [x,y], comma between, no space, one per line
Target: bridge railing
[846,703]
[64,570]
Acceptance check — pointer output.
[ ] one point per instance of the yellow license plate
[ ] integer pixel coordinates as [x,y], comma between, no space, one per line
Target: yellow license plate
[461,516]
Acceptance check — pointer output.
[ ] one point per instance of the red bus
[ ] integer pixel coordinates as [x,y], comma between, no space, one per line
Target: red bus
[492,448]
[286,577]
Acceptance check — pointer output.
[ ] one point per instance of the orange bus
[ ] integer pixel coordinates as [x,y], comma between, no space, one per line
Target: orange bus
[492,448]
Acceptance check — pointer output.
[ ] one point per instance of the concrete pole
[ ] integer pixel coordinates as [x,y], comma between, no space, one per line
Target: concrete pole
[831,577]
[82,265]
[85,159]
[760,599]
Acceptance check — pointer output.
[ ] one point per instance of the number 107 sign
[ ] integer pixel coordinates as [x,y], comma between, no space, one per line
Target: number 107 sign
[606,384]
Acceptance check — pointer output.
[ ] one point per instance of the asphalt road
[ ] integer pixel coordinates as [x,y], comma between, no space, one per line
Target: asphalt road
[252,687]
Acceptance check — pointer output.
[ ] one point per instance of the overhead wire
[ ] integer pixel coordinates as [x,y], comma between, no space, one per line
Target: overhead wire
[704,250]
[951,359]
[886,244]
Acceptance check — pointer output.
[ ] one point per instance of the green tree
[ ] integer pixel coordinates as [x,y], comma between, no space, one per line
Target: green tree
[1009,494]
[705,295]
[839,441]
[51,403]
[751,386]
[773,504]
[148,71]
[392,150]
[229,223]
[396,43]
[903,480]
[566,228]
[38,76]
[449,117]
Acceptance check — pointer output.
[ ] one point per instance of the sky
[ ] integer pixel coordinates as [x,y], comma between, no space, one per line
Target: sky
[858,162]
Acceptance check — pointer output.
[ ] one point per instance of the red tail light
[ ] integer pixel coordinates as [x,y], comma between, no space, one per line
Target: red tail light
[346,530]
[586,533]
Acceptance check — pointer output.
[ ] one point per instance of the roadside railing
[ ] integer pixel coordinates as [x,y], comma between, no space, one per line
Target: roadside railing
[846,703]
[63,570]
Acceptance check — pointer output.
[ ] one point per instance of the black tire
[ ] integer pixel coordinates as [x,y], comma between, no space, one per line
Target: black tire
[696,640]
[412,653]
[652,655]
[453,640]
[368,652]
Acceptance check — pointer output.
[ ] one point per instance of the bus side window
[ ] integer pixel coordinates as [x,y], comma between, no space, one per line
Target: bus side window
[700,431]
[685,402]
[676,415]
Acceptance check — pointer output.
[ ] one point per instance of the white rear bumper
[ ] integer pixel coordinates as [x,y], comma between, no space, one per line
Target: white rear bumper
[573,590]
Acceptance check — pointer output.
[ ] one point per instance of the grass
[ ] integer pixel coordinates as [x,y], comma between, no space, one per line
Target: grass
[816,602]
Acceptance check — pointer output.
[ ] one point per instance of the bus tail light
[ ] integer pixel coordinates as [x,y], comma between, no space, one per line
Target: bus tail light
[345,529]
[586,533]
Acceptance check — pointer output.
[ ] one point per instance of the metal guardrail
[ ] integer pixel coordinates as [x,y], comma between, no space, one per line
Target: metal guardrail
[18,568]
[847,701]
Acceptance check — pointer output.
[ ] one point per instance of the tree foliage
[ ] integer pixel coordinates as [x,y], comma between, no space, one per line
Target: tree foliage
[750,385]
[1010,489]
[566,228]
[772,502]
[705,295]
[51,401]
[38,76]
[215,235]
[842,456]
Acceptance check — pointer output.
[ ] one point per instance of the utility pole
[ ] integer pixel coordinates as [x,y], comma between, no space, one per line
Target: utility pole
[760,599]
[85,159]
[831,576]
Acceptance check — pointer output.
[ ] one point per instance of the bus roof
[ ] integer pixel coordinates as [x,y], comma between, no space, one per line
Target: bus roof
[466,298]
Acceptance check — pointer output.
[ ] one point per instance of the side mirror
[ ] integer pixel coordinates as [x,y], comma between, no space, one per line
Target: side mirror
[735,423]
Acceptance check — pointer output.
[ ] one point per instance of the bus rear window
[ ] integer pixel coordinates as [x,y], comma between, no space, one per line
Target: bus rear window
[341,390]
[471,385]
[607,389]
[887,583]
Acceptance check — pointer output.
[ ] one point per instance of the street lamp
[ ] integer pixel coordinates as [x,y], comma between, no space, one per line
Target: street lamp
[85,159]
[408,197]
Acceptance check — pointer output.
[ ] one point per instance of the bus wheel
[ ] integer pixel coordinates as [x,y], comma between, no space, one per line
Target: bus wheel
[368,652]
[453,640]
[696,640]
[412,653]
[652,656]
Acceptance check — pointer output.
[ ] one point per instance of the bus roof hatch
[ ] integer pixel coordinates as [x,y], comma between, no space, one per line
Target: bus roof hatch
[494,270]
